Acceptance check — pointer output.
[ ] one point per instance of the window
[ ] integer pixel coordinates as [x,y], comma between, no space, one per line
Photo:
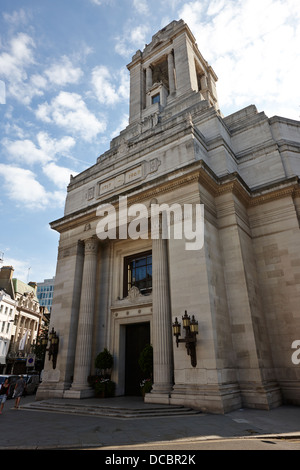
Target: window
[156,98]
[138,273]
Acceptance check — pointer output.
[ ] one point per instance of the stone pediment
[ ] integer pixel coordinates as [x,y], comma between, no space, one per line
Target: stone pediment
[162,36]
[134,297]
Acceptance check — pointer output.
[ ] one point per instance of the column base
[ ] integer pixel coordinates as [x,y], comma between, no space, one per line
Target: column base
[159,398]
[213,398]
[159,394]
[85,393]
[51,390]
[264,396]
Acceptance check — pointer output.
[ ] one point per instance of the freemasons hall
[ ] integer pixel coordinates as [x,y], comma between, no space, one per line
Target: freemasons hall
[222,316]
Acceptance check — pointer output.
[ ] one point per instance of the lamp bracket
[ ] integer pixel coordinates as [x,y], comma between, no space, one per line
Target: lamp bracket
[190,338]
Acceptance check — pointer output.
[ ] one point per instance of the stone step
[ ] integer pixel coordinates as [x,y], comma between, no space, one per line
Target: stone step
[113,412]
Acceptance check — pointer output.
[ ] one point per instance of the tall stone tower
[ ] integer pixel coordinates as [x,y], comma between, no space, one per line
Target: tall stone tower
[168,71]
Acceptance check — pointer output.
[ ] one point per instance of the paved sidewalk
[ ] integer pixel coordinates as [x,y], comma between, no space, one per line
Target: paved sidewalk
[30,429]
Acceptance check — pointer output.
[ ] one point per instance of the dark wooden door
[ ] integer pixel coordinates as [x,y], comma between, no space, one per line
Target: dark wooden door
[137,337]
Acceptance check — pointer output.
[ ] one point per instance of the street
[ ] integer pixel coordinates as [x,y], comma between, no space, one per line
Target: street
[244,429]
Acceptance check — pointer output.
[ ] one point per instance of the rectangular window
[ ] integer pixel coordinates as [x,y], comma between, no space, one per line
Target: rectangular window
[138,273]
[156,98]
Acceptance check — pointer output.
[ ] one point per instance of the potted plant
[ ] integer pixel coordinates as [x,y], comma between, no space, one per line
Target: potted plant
[101,382]
[104,388]
[146,365]
[104,362]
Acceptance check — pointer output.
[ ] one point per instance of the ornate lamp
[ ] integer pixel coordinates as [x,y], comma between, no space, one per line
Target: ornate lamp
[191,330]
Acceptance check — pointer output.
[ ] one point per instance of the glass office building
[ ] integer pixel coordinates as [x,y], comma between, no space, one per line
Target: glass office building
[45,293]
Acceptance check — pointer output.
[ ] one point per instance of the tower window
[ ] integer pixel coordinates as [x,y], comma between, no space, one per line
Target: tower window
[156,98]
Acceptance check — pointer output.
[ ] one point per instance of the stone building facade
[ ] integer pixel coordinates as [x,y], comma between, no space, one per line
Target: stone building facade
[27,319]
[242,285]
[7,328]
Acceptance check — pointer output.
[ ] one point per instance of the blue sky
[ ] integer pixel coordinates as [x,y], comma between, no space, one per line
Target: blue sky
[64,92]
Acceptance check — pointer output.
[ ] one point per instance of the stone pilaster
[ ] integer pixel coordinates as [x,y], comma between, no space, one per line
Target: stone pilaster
[80,387]
[171,73]
[148,78]
[162,326]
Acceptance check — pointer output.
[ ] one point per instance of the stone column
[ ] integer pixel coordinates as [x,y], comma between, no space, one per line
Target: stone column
[18,328]
[171,73]
[162,325]
[204,87]
[80,387]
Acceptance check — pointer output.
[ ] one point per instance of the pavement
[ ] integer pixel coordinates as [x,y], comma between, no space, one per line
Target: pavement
[128,423]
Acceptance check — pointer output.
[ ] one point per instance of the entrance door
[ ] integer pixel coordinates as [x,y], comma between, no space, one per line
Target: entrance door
[136,338]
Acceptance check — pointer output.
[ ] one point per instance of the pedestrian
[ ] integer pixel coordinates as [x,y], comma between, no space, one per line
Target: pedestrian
[3,394]
[19,389]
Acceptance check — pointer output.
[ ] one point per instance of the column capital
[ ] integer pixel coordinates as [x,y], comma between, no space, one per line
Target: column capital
[90,245]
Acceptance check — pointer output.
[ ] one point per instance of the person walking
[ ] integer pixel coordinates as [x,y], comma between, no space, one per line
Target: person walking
[19,389]
[3,394]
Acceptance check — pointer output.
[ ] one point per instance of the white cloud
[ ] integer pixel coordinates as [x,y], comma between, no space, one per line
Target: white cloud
[23,188]
[141,6]
[122,125]
[101,2]
[105,91]
[21,267]
[110,89]
[14,62]
[63,72]
[59,175]
[68,110]
[16,18]
[25,151]
[132,39]
[53,147]
[253,46]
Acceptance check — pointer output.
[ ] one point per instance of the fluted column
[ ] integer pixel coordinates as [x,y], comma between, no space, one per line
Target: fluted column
[171,73]
[162,324]
[86,317]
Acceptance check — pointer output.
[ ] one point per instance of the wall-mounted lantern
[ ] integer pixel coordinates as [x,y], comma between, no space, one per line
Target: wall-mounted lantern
[191,330]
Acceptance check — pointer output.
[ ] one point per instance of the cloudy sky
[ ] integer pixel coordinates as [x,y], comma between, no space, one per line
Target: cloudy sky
[64,92]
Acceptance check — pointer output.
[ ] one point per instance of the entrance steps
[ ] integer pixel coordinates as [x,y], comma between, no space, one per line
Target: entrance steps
[116,411]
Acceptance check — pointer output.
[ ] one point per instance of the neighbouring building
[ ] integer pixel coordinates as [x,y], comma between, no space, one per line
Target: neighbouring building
[242,286]
[45,293]
[7,327]
[27,319]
